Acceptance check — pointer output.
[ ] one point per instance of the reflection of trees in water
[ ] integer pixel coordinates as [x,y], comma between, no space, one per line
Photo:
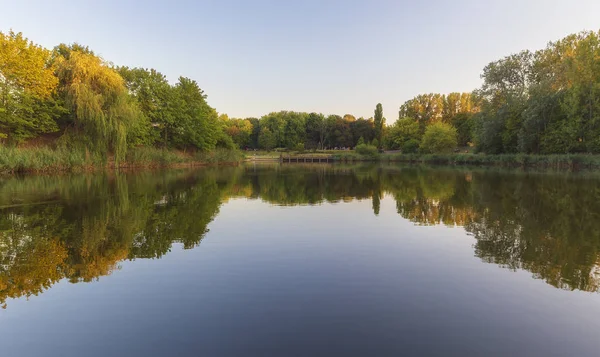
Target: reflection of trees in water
[547,225]
[81,227]
[99,222]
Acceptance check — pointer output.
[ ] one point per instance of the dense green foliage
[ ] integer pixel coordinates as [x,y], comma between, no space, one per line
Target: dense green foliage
[291,130]
[417,115]
[366,150]
[547,102]
[543,102]
[72,99]
[28,100]
[101,114]
[404,135]
[438,138]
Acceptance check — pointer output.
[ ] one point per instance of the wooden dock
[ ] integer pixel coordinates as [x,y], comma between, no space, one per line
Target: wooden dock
[305,159]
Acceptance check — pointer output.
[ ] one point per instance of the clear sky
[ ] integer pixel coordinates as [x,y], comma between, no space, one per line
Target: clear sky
[335,57]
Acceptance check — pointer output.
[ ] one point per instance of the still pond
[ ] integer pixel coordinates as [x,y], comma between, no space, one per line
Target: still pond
[301,260]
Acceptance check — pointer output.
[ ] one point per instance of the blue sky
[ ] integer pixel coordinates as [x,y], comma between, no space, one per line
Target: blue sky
[335,57]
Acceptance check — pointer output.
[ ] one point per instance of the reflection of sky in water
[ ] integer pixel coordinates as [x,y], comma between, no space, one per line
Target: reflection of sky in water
[331,278]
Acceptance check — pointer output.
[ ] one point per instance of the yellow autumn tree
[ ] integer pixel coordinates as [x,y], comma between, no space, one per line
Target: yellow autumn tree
[27,87]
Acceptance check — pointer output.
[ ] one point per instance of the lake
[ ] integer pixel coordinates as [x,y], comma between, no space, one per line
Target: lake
[301,260]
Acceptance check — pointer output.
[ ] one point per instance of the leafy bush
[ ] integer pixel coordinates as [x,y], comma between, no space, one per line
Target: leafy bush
[403,131]
[439,138]
[225,141]
[366,150]
[410,146]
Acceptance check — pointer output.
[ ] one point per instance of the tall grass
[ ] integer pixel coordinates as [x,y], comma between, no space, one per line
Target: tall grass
[219,156]
[15,160]
[149,157]
[362,152]
[44,159]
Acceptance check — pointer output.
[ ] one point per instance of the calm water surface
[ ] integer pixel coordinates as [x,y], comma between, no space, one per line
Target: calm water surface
[301,261]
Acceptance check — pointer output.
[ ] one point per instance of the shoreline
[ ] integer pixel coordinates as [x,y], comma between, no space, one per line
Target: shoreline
[567,162]
[558,162]
[113,168]
[53,162]
[18,161]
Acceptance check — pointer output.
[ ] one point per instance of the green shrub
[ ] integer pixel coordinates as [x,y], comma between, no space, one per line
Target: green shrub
[367,150]
[375,143]
[403,131]
[410,146]
[439,138]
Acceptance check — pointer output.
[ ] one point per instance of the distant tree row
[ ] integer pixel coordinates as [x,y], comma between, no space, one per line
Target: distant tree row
[297,130]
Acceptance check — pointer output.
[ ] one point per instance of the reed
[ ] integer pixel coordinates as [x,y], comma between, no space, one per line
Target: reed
[46,160]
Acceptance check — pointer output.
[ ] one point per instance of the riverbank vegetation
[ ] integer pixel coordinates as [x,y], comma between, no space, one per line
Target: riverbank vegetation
[68,108]
[45,159]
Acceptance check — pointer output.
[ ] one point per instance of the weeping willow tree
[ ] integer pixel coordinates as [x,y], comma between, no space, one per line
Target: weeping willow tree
[102,112]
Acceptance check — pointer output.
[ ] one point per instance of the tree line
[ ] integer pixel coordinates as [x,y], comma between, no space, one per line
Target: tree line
[300,130]
[80,100]
[542,102]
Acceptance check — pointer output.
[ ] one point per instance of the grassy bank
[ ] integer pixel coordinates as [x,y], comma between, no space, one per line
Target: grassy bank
[571,161]
[43,159]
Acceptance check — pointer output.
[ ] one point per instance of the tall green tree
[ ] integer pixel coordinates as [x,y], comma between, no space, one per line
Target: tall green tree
[240,130]
[198,121]
[340,133]
[378,122]
[267,140]
[504,95]
[362,128]
[316,131]
[424,108]
[157,100]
